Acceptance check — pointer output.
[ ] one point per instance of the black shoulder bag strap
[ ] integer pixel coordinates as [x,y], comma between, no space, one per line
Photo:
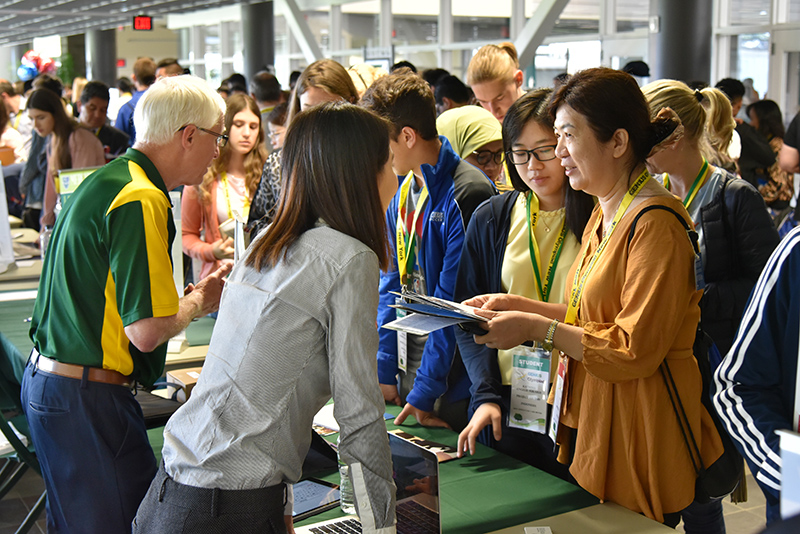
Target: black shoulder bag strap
[666,374]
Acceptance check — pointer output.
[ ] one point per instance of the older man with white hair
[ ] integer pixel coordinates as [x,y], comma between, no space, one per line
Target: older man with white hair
[107,306]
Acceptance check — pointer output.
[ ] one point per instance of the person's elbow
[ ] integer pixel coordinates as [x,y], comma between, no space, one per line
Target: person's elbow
[789,159]
[145,334]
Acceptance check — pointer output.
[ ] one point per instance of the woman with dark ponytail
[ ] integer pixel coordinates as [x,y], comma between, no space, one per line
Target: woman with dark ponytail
[631,305]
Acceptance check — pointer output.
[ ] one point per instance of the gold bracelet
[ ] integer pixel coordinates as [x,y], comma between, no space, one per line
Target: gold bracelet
[548,338]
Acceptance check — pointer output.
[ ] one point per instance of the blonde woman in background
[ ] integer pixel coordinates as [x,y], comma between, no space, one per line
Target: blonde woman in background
[476,137]
[495,78]
[736,233]
[720,127]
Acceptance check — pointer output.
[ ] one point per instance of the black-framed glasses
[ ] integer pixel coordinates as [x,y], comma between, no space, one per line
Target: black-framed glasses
[541,153]
[222,139]
[485,156]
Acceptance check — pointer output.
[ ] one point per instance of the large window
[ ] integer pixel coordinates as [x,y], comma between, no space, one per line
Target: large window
[579,16]
[632,15]
[749,12]
[750,59]
[794,11]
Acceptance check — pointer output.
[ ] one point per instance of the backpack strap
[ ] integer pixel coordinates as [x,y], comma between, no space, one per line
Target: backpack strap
[693,237]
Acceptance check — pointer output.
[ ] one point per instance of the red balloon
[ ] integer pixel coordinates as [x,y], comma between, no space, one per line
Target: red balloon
[47,65]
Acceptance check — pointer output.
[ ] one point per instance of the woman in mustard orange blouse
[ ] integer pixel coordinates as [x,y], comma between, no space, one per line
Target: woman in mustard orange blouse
[630,307]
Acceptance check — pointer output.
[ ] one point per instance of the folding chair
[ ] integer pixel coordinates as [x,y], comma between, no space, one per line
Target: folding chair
[22,458]
[156,410]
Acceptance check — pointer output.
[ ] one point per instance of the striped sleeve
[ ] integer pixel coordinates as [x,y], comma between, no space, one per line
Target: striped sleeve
[755,382]
[358,404]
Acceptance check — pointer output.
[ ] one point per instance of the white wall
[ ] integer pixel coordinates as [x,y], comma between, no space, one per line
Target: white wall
[157,44]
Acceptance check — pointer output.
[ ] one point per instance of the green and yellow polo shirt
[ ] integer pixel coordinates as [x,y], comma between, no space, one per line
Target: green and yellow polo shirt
[108,265]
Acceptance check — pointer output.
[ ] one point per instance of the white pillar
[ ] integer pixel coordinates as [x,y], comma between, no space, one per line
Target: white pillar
[445,57]
[335,33]
[385,24]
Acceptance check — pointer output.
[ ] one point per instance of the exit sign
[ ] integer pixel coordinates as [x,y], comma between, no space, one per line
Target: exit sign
[143,23]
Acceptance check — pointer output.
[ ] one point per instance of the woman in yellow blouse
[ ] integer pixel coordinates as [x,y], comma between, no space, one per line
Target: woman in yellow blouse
[522,243]
[630,307]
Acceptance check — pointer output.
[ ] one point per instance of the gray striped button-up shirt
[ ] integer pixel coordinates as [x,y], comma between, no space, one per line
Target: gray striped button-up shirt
[286,340]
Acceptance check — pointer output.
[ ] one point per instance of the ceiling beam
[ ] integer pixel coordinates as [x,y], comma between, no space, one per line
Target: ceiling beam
[537,28]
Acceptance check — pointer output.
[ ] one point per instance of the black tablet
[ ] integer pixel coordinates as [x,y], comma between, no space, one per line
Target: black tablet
[313,496]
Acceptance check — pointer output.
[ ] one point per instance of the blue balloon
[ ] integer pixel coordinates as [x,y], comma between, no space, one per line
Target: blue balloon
[27,72]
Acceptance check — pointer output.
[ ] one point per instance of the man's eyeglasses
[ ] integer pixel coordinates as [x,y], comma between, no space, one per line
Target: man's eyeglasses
[542,153]
[222,139]
[485,156]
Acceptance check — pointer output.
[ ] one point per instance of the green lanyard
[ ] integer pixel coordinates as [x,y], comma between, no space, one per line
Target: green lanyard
[532,209]
[705,170]
[405,240]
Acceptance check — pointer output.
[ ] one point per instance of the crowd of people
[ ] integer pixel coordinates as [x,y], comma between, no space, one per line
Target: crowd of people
[594,224]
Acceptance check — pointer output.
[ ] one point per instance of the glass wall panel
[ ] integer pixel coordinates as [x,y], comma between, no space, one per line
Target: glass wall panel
[578,17]
[421,60]
[794,11]
[556,58]
[750,59]
[632,15]
[415,30]
[469,29]
[212,55]
[359,30]
[474,21]
[749,12]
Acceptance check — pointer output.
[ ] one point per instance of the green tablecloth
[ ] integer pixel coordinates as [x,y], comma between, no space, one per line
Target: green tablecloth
[481,493]
[13,325]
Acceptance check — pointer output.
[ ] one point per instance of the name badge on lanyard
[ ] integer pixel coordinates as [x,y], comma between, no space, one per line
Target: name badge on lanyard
[405,233]
[530,381]
[402,340]
[561,375]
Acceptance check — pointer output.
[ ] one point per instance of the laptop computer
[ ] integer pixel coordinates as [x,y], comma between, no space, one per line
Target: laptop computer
[416,476]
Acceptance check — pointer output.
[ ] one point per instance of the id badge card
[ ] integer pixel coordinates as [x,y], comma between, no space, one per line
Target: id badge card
[557,400]
[530,381]
[402,340]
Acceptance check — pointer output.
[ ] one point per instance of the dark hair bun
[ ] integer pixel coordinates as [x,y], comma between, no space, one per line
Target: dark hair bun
[664,125]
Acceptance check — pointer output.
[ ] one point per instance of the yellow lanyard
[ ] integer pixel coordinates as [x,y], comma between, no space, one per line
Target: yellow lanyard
[97,133]
[532,205]
[579,282]
[698,183]
[223,179]
[405,239]
[17,119]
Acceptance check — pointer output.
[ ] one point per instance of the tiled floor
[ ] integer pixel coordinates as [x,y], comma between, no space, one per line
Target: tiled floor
[15,506]
[746,518]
